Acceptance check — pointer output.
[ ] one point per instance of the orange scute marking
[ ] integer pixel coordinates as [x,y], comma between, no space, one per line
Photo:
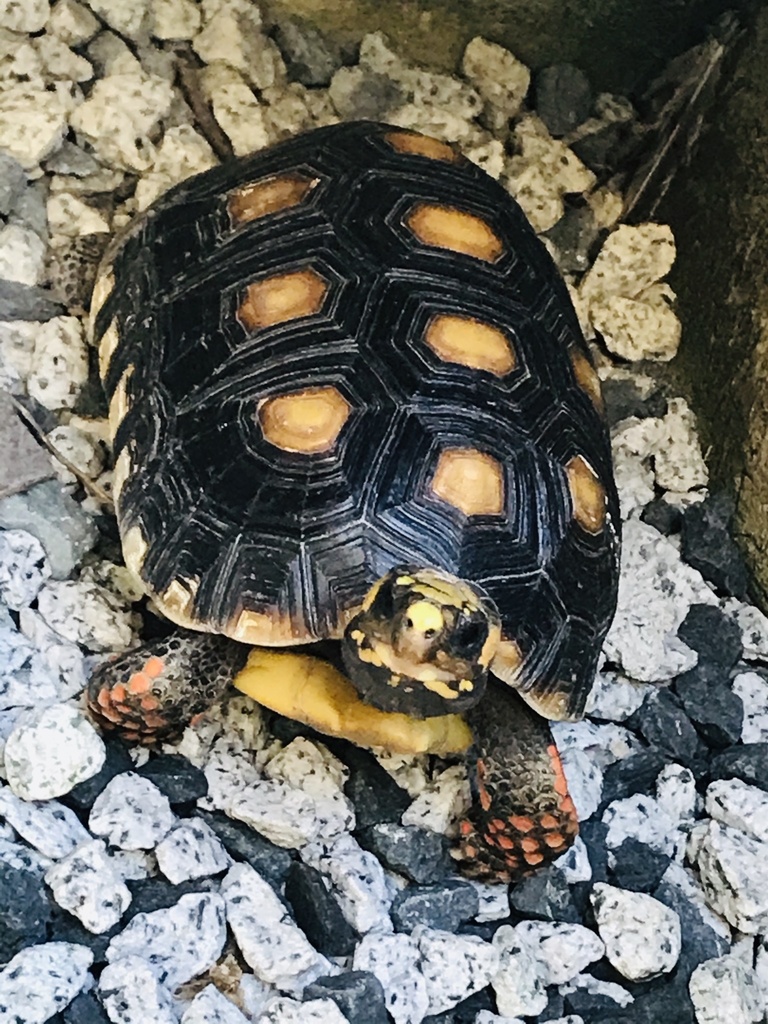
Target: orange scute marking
[529,845]
[549,821]
[154,667]
[139,683]
[104,698]
[561,783]
[150,703]
[534,858]
[111,716]
[466,827]
[471,851]
[553,840]
[498,825]
[154,721]
[521,823]
[118,693]
[506,843]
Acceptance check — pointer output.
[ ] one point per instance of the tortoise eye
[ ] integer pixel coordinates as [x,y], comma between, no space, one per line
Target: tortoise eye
[469,634]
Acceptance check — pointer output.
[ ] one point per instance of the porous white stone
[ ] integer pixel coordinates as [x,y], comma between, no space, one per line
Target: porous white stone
[408,771]
[212,1007]
[614,697]
[678,460]
[282,814]
[394,960]
[72,22]
[131,813]
[725,990]
[733,868]
[179,941]
[357,881]
[642,818]
[17,345]
[272,945]
[59,363]
[23,568]
[33,121]
[127,17]
[175,19]
[676,793]
[309,768]
[25,681]
[518,984]
[488,155]
[753,690]
[585,781]
[50,750]
[634,478]
[604,742]
[500,78]
[88,884]
[42,980]
[444,801]
[51,828]
[24,15]
[561,950]
[283,1010]
[86,613]
[70,216]
[645,327]
[233,36]
[112,56]
[632,258]
[454,966]
[656,589]
[60,63]
[642,937]
[191,850]
[120,113]
[736,803]
[237,111]
[182,153]
[22,255]
[130,992]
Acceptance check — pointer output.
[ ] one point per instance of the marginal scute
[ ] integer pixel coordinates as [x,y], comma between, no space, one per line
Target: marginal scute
[134,552]
[507,661]
[449,228]
[587,495]
[470,480]
[470,342]
[177,599]
[282,297]
[102,289]
[304,421]
[587,378]
[421,145]
[267,630]
[269,195]
[109,342]
[121,472]
[119,403]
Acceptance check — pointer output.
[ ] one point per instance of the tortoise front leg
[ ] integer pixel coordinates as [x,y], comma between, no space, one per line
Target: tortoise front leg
[522,816]
[152,692]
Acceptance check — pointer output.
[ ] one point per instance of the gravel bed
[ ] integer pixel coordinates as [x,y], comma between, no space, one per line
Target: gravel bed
[253,872]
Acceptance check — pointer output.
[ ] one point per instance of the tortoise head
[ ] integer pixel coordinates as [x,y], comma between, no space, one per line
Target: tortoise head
[421,643]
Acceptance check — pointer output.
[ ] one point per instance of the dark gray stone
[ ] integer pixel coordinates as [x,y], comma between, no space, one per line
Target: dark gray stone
[27,302]
[662,721]
[31,209]
[662,517]
[700,941]
[573,236]
[634,774]
[309,56]
[708,700]
[638,867]
[546,895]
[419,855]
[71,159]
[707,545]
[85,1009]
[715,636]
[358,994]
[436,906]
[176,777]
[747,761]
[24,462]
[563,97]
[117,761]
[25,911]
[316,911]
[361,94]
[13,181]
[622,400]
[242,843]
[150,894]
[376,796]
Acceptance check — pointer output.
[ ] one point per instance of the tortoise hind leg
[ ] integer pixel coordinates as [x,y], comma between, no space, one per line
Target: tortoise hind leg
[151,693]
[522,816]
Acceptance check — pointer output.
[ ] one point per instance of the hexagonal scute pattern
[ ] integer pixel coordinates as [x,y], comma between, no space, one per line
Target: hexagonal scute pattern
[402,292]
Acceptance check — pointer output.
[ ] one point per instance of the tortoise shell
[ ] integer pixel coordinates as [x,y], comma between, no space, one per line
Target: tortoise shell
[345,353]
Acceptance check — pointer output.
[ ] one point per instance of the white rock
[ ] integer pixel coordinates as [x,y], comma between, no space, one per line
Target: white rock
[179,941]
[454,966]
[394,960]
[182,153]
[643,818]
[23,568]
[518,985]
[606,989]
[69,216]
[735,803]
[408,771]
[59,363]
[656,589]
[119,115]
[175,19]
[614,697]
[127,17]
[285,816]
[79,448]
[604,742]
[645,327]
[112,56]
[494,901]
[61,63]
[85,613]
[51,828]
[439,807]
[733,868]
[634,478]
[585,781]
[33,121]
[561,950]
[754,627]
[678,460]
[357,880]
[72,22]
[574,864]
[191,850]
[676,793]
[632,258]
[254,995]
[26,16]
[724,990]
[50,750]
[270,942]
[87,883]
[500,78]
[237,111]
[233,37]
[20,856]
[53,658]
[22,255]
[486,1017]
[642,937]
[753,690]
[488,155]
[17,345]
[131,813]
[291,1011]
[212,1007]
[130,992]
[41,980]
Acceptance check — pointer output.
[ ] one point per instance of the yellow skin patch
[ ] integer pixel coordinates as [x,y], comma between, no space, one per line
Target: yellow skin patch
[421,145]
[304,421]
[424,615]
[448,228]
[279,192]
[587,495]
[311,691]
[282,297]
[470,480]
[469,342]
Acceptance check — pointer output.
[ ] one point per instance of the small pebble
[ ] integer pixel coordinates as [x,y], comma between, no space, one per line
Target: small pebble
[131,813]
[642,937]
[442,907]
[725,991]
[191,850]
[317,912]
[212,1007]
[454,966]
[290,1011]
[357,880]
[88,884]
[733,868]
[358,994]
[23,568]
[131,992]
[416,853]
[43,980]
[394,960]
[518,985]
[50,828]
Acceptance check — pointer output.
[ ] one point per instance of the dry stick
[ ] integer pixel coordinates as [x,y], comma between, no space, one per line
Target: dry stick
[189,83]
[91,486]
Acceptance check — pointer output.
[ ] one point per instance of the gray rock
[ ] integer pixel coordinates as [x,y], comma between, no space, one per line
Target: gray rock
[212,1007]
[27,302]
[71,159]
[444,907]
[361,93]
[24,461]
[563,97]
[12,182]
[310,57]
[58,522]
[30,209]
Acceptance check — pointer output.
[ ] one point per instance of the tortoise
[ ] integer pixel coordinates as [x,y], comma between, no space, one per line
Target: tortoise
[351,402]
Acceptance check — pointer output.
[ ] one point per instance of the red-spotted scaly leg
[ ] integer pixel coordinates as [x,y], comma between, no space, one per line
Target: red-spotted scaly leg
[522,816]
[152,692]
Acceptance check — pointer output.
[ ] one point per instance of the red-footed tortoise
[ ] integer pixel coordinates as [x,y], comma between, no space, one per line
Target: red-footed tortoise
[350,400]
